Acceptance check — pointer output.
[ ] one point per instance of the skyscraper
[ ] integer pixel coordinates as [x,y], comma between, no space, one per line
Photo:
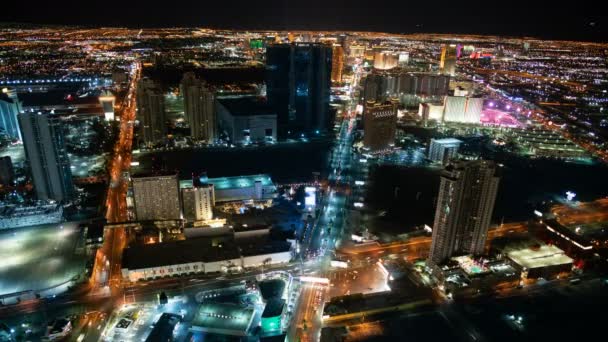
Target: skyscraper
[464,208]
[198,202]
[10,106]
[379,125]
[449,54]
[298,85]
[156,197]
[443,150]
[46,155]
[337,63]
[150,111]
[199,107]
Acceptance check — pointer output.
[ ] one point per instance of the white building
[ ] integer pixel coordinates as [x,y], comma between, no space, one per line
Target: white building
[198,202]
[463,109]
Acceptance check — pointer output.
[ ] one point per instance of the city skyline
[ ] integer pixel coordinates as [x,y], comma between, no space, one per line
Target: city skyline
[196,184]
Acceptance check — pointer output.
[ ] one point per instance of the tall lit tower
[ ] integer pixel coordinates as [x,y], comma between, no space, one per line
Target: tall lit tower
[298,87]
[337,63]
[449,54]
[464,208]
[151,111]
[47,157]
[199,107]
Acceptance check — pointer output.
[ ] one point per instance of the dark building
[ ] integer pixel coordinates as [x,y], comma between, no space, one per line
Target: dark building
[246,120]
[379,125]
[7,173]
[298,85]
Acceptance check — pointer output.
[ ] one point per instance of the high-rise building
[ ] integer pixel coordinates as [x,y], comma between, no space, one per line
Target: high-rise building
[298,86]
[382,85]
[199,107]
[449,54]
[7,172]
[385,60]
[443,150]
[156,197]
[379,125]
[151,111]
[107,101]
[198,202]
[46,155]
[337,63]
[463,109]
[464,208]
[10,106]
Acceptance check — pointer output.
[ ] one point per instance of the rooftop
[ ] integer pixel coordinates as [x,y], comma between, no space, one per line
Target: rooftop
[272,288]
[543,256]
[245,106]
[224,183]
[197,249]
[447,141]
[223,319]
[163,328]
[177,252]
[274,307]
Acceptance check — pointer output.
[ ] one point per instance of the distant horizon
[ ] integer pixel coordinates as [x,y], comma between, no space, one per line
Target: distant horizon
[382,16]
[31,25]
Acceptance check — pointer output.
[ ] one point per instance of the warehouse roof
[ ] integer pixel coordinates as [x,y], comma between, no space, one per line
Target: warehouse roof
[177,252]
[223,319]
[543,256]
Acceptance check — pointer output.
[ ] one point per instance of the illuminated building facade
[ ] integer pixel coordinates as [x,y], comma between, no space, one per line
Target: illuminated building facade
[379,125]
[385,60]
[337,63]
[382,85]
[464,208]
[47,156]
[298,86]
[443,150]
[198,202]
[10,106]
[357,51]
[199,107]
[156,197]
[107,102]
[463,109]
[449,54]
[151,111]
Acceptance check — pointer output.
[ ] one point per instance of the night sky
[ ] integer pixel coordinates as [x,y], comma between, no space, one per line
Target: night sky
[514,18]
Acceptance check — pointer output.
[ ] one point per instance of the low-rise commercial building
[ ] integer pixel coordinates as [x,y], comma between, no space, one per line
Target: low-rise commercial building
[200,255]
[540,261]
